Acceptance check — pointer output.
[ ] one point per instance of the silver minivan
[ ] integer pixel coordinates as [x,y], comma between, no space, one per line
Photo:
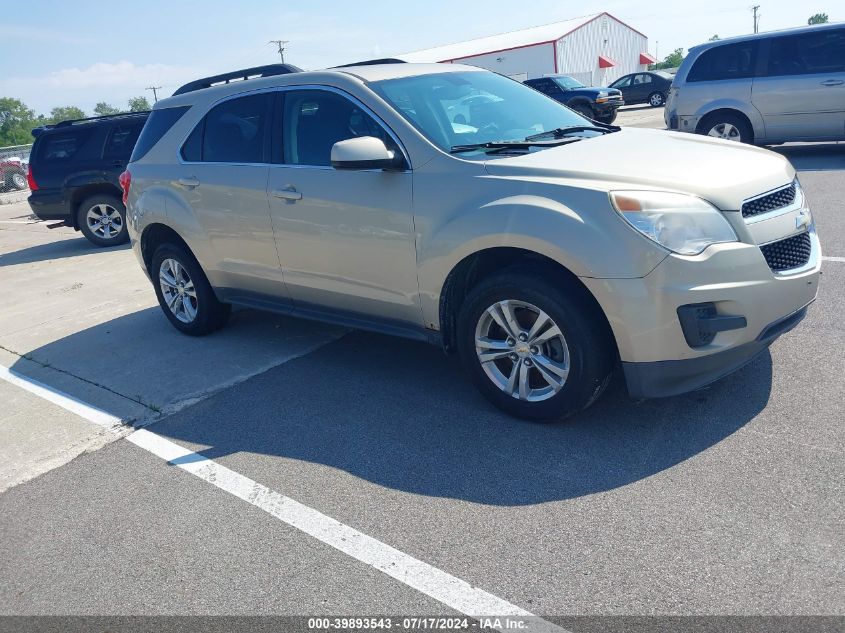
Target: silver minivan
[765,89]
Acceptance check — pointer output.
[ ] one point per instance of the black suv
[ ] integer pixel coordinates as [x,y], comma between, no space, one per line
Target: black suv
[599,104]
[74,170]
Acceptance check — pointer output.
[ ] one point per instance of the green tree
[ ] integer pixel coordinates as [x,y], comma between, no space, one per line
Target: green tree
[672,60]
[818,18]
[66,113]
[103,109]
[16,122]
[138,104]
[715,38]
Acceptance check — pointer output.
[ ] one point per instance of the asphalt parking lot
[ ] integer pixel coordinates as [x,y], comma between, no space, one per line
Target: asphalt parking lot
[291,468]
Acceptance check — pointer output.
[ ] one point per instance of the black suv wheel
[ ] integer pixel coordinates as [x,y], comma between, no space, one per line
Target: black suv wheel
[102,219]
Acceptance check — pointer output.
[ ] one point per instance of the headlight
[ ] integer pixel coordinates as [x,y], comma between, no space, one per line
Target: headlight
[684,224]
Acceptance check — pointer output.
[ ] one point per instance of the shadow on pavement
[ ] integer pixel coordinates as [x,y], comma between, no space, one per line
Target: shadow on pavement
[55,250]
[814,156]
[403,415]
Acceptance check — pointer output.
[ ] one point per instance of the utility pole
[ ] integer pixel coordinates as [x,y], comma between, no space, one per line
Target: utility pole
[155,94]
[281,45]
[756,16]
[656,48]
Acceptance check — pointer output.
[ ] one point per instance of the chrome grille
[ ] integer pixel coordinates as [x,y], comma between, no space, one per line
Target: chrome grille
[793,252]
[775,200]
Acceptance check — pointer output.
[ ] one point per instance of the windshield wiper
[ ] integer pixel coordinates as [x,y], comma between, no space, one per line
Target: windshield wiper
[501,146]
[560,132]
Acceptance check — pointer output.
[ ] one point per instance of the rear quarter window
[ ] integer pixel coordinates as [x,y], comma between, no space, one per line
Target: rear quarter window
[729,61]
[157,125]
[61,147]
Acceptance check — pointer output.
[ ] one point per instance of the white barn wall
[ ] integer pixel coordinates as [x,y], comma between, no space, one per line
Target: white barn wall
[578,52]
[533,61]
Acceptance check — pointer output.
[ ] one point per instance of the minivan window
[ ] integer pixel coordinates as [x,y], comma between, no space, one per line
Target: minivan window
[807,53]
[237,130]
[121,140]
[314,120]
[57,148]
[157,125]
[729,61]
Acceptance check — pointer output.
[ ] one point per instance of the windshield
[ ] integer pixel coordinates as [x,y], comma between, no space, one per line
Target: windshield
[568,82]
[464,108]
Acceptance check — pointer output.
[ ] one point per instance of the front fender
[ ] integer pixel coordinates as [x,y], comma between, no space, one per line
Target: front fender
[584,236]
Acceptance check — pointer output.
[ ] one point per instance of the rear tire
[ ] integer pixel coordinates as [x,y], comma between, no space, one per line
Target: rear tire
[102,219]
[184,294]
[563,374]
[17,181]
[656,99]
[727,126]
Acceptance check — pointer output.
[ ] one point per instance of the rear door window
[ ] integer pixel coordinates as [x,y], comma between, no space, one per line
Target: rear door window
[61,147]
[807,54]
[121,140]
[729,61]
[236,131]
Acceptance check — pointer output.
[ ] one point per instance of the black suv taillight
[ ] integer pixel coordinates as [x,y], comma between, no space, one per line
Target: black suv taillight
[30,179]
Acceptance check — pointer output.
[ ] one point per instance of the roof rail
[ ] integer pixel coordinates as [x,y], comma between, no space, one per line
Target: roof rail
[375,62]
[247,73]
[36,132]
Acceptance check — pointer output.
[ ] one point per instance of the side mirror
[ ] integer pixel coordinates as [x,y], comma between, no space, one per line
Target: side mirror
[365,152]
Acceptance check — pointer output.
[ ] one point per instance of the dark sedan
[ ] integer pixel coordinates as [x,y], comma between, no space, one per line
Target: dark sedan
[651,87]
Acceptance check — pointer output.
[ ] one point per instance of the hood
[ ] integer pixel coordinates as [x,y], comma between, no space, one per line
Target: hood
[722,172]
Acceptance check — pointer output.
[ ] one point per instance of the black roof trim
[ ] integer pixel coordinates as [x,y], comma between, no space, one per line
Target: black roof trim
[270,70]
[91,119]
[375,62]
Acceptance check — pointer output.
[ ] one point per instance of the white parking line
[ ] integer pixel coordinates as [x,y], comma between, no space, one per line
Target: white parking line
[832,259]
[431,581]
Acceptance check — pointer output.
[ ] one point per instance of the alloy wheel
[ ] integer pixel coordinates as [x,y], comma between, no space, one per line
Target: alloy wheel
[104,221]
[656,100]
[522,350]
[726,131]
[178,290]
[19,181]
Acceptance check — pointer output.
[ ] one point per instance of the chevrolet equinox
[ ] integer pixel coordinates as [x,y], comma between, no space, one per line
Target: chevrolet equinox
[450,204]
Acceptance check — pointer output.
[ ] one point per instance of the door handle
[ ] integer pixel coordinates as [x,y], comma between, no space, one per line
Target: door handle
[189,182]
[833,82]
[288,193]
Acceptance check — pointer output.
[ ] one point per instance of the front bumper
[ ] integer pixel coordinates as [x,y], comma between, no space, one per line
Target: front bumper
[659,379]
[735,278]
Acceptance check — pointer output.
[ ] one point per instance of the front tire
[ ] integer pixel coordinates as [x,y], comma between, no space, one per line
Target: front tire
[536,350]
[184,294]
[608,118]
[102,219]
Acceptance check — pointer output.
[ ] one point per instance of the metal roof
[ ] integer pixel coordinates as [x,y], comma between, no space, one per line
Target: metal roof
[504,41]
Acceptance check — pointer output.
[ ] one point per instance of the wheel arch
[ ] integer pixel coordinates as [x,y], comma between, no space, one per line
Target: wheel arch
[480,265]
[156,234]
[83,192]
[755,123]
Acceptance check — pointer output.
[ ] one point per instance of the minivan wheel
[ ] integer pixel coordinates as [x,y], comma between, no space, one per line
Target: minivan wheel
[184,293]
[102,219]
[727,126]
[656,99]
[535,350]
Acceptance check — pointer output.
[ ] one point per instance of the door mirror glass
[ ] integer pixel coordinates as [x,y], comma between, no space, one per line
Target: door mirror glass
[364,152]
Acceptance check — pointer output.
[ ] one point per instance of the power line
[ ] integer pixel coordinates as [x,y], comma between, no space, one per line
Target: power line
[281,45]
[756,16]
[154,89]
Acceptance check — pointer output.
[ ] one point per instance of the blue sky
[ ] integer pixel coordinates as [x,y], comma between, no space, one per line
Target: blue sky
[110,51]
